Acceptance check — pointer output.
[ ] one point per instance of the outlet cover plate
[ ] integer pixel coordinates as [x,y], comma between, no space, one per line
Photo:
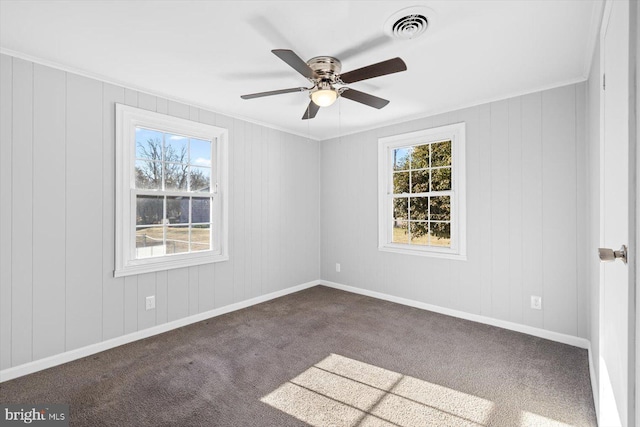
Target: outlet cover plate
[536,302]
[151,302]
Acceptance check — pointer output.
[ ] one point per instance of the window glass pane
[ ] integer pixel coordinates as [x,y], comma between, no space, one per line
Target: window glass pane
[440,208]
[401,208]
[440,234]
[176,148]
[419,208]
[148,174]
[441,154]
[402,158]
[201,237]
[200,154]
[420,157]
[200,209]
[177,210]
[149,242]
[200,179]
[400,182]
[420,181]
[149,210]
[441,179]
[148,144]
[400,232]
[175,176]
[419,233]
[177,239]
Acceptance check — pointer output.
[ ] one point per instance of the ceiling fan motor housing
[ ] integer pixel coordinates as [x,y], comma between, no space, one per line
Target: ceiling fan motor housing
[325,67]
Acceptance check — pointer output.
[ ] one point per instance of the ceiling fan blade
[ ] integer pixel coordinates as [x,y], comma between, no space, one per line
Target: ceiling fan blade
[273,92]
[364,98]
[295,62]
[383,68]
[311,111]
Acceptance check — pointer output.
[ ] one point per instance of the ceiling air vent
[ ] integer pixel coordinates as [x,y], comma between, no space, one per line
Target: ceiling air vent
[408,23]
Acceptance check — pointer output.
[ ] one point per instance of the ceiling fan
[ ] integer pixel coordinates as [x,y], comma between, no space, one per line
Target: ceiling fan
[328,84]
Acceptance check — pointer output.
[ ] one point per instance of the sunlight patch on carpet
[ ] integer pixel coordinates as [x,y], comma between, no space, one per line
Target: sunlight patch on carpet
[339,391]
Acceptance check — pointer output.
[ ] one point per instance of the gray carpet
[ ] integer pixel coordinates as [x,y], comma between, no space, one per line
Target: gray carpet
[323,357]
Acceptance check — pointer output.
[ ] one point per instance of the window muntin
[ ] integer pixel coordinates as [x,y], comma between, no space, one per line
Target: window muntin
[167,165]
[171,192]
[422,192]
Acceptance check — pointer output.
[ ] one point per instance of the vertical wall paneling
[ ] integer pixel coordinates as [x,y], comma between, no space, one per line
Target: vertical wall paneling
[130,304]
[194,291]
[146,288]
[162,106]
[255,222]
[84,211]
[559,208]
[484,208]
[515,210]
[112,287]
[206,275]
[148,102]
[266,225]
[273,210]
[369,220]
[250,136]
[532,205]
[6,172]
[49,211]
[22,213]
[178,109]
[194,114]
[500,210]
[582,240]
[242,133]
[161,298]
[131,97]
[178,293]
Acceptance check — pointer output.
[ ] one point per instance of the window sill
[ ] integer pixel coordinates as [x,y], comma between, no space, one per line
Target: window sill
[153,265]
[425,253]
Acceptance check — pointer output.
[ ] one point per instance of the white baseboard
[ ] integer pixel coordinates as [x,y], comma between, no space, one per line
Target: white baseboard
[530,330]
[68,356]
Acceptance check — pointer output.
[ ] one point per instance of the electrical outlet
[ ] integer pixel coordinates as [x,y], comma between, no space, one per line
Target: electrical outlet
[151,302]
[337,268]
[536,302]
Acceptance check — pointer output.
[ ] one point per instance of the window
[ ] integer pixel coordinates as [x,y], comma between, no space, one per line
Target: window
[422,192]
[171,192]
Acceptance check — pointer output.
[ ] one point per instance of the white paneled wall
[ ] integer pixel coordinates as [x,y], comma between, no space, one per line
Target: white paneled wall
[526,166]
[297,207]
[57,290]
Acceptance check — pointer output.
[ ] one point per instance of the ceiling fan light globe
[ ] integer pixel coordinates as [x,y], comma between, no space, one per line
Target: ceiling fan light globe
[324,97]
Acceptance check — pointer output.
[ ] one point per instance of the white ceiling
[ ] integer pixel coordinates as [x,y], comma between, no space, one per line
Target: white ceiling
[208,53]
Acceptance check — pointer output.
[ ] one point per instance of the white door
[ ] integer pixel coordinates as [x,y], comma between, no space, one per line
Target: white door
[615,382]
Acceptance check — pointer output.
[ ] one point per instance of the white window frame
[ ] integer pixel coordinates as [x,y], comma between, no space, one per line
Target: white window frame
[127,120]
[456,134]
